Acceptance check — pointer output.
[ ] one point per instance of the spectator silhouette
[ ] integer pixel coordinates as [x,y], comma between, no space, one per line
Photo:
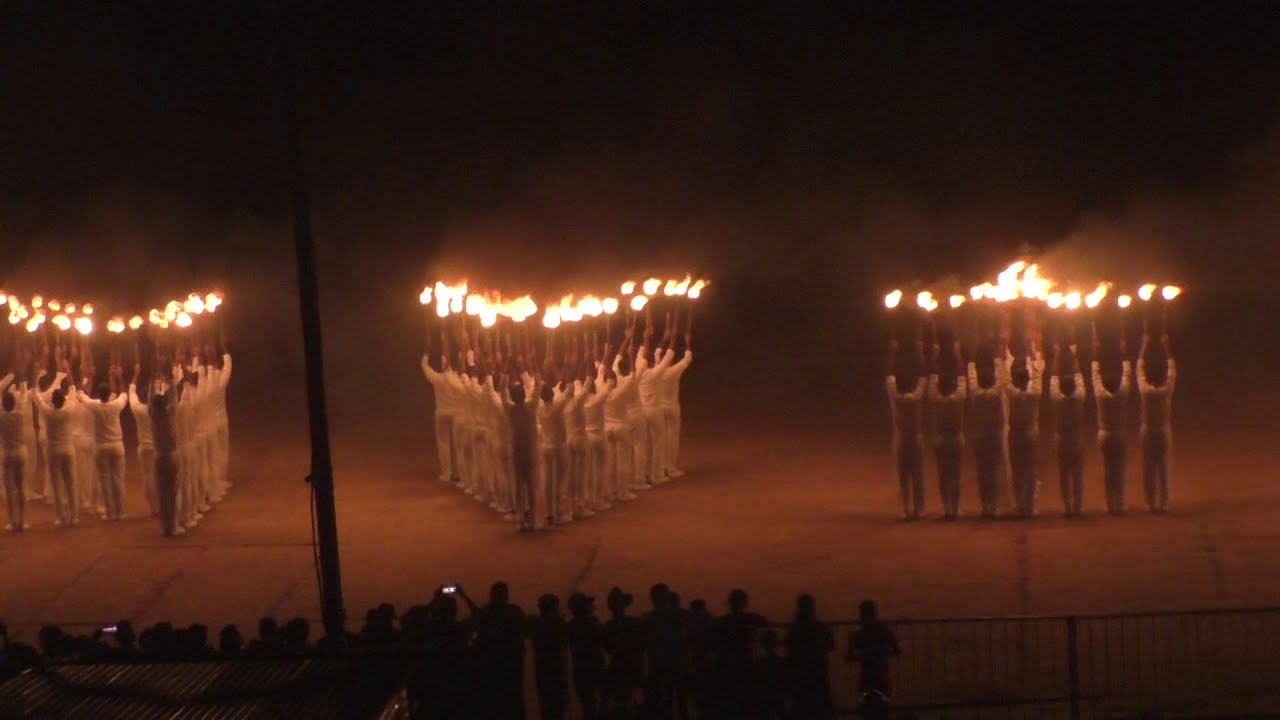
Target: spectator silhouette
[698,629]
[197,643]
[586,647]
[443,680]
[734,644]
[624,640]
[230,643]
[548,634]
[768,680]
[872,645]
[500,649]
[268,642]
[809,645]
[665,646]
[297,634]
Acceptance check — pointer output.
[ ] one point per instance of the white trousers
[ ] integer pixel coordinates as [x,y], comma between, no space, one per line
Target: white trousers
[671,419]
[655,466]
[110,466]
[147,465]
[618,462]
[90,493]
[66,503]
[15,487]
[639,451]
[445,451]
[597,453]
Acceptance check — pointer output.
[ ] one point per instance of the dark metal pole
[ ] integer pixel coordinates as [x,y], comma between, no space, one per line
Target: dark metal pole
[321,477]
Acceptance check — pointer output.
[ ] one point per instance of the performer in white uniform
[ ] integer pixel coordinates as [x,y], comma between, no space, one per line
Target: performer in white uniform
[1111,391]
[906,409]
[1156,390]
[1025,390]
[146,441]
[108,441]
[58,409]
[597,450]
[575,425]
[655,427]
[620,458]
[445,411]
[990,424]
[635,415]
[13,451]
[1066,391]
[669,399]
[946,394]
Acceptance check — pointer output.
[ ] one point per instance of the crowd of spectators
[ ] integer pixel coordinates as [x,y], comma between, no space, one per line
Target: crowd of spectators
[469,661]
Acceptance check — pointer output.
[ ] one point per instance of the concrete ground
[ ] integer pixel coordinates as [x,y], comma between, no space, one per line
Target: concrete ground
[763,507]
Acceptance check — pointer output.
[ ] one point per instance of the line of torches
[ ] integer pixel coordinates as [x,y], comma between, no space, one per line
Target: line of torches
[489,306]
[1023,280]
[66,318]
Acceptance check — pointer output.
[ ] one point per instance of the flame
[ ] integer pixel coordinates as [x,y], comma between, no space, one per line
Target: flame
[1124,301]
[455,304]
[183,320]
[683,286]
[194,304]
[84,325]
[957,301]
[32,324]
[1146,291]
[474,304]
[924,299]
[153,316]
[171,310]
[70,308]
[425,296]
[638,302]
[37,301]
[1170,292]
[488,318]
[670,288]
[696,290]
[212,301]
[651,286]
[4,299]
[1073,300]
[975,293]
[55,305]
[135,322]
[591,306]
[628,287]
[551,318]
[86,309]
[1094,298]
[62,322]
[610,306]
[892,299]
[442,309]
[115,325]
[1055,300]
[1034,286]
[14,318]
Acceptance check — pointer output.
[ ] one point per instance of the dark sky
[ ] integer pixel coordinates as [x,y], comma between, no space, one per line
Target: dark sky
[803,154]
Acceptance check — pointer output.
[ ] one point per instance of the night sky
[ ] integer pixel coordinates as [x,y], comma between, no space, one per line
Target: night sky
[804,155]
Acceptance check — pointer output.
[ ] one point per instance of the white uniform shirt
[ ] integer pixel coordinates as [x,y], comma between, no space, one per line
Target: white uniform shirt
[1111,405]
[575,415]
[60,422]
[1157,400]
[652,381]
[948,410]
[13,438]
[989,414]
[1024,405]
[669,388]
[106,418]
[594,406]
[141,417]
[631,397]
[1070,410]
[906,408]
[615,404]
[551,430]
[446,403]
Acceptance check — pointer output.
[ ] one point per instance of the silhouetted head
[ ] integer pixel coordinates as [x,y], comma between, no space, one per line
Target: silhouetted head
[581,605]
[867,611]
[947,384]
[806,608]
[8,402]
[296,633]
[1067,384]
[618,601]
[125,635]
[517,393]
[102,392]
[1156,369]
[658,595]
[59,398]
[673,600]
[229,640]
[548,393]
[267,629]
[158,405]
[446,608]
[769,641]
[499,594]
[698,605]
[738,600]
[1020,375]
[906,381]
[549,606]
[51,640]
[985,364]
[45,383]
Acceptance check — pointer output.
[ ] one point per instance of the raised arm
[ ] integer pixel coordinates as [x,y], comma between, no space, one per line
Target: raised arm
[224,376]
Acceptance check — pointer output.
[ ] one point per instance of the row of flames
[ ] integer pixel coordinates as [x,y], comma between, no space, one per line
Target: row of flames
[80,316]
[1023,280]
[489,305]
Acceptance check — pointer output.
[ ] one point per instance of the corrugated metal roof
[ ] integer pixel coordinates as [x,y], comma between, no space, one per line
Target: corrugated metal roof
[357,687]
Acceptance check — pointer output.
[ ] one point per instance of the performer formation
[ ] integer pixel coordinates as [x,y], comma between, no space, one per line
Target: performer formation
[60,418]
[984,393]
[550,436]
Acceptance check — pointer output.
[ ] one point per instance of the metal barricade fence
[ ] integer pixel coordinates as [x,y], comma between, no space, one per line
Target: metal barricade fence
[1077,666]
